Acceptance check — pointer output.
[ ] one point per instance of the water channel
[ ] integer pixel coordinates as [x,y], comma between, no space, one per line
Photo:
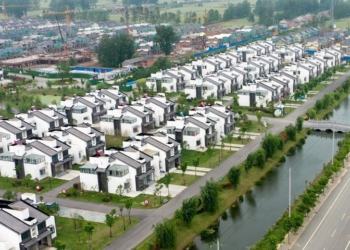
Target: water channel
[248,222]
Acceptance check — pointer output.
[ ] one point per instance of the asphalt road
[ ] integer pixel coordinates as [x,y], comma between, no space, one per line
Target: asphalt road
[136,235]
[330,227]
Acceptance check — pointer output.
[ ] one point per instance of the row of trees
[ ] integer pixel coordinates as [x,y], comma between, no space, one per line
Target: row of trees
[60,5]
[23,6]
[307,200]
[236,11]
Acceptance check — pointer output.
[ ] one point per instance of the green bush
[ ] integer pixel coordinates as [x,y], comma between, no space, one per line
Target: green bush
[302,141]
[282,159]
[291,151]
[206,233]
[224,215]
[241,198]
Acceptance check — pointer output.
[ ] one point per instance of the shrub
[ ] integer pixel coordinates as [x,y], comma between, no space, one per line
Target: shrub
[241,198]
[76,185]
[69,194]
[225,185]
[258,183]
[282,159]
[302,141]
[224,215]
[106,199]
[206,233]
[309,132]
[74,193]
[291,151]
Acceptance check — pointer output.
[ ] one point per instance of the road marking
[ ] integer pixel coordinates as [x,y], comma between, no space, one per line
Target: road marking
[343,216]
[347,245]
[334,232]
[324,217]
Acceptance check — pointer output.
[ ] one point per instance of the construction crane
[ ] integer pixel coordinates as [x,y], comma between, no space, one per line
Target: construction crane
[67,13]
[65,52]
[127,21]
[205,17]
[4,7]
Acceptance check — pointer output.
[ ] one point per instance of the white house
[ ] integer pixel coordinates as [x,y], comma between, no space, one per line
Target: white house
[23,226]
[128,167]
[86,109]
[255,94]
[166,152]
[112,97]
[43,120]
[40,157]
[163,108]
[128,120]
[171,79]
[200,90]
[84,141]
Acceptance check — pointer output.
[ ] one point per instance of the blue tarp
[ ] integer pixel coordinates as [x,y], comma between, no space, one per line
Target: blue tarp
[310,52]
[97,70]
[346,58]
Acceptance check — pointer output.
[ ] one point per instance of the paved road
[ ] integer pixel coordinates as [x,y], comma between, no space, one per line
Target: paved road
[330,227]
[136,235]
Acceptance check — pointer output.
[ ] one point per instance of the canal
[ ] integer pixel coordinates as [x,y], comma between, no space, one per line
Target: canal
[248,222]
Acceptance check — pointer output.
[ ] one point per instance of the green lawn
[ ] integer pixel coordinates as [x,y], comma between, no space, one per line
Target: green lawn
[256,127]
[293,102]
[204,159]
[114,141]
[9,184]
[48,99]
[100,237]
[76,166]
[177,179]
[319,87]
[73,194]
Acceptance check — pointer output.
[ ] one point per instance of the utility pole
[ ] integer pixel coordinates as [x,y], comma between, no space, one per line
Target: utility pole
[332,14]
[333,143]
[217,244]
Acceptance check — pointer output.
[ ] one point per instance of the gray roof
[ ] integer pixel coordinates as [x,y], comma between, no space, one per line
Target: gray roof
[12,222]
[287,74]
[126,159]
[8,127]
[198,123]
[172,74]
[218,113]
[157,102]
[142,154]
[187,70]
[135,111]
[86,102]
[79,134]
[228,75]
[43,148]
[157,144]
[109,94]
[45,117]
[208,79]
[17,225]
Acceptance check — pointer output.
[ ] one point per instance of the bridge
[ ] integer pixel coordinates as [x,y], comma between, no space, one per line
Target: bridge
[326,125]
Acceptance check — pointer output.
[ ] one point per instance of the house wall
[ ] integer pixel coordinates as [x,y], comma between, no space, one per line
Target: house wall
[304,75]
[34,170]
[9,239]
[114,182]
[90,181]
[84,117]
[191,141]
[107,127]
[51,221]
[127,129]
[7,168]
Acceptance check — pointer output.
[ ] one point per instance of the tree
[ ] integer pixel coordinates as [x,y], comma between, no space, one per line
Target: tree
[299,123]
[121,208]
[251,18]
[250,161]
[260,157]
[110,220]
[49,84]
[80,225]
[89,229]
[166,180]
[230,139]
[195,164]
[27,180]
[20,7]
[8,195]
[183,166]
[8,108]
[234,176]
[243,131]
[291,132]
[189,210]
[122,46]
[128,205]
[165,38]
[209,152]
[63,69]
[270,144]
[72,61]
[120,190]
[165,234]
[210,196]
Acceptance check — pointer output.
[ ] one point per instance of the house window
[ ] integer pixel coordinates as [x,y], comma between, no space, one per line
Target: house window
[41,226]
[55,158]
[147,118]
[135,129]
[56,123]
[24,134]
[198,142]
[25,235]
[42,172]
[87,171]
[170,131]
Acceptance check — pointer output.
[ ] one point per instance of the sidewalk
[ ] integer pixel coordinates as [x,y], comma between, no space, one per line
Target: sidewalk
[293,237]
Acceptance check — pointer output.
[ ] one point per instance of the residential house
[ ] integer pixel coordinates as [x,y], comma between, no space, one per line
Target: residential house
[128,167]
[166,152]
[16,129]
[43,120]
[128,120]
[25,227]
[40,157]
[288,88]
[84,140]
[163,108]
[200,90]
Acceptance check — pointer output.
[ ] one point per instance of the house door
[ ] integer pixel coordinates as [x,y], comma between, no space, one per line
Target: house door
[251,99]
[59,169]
